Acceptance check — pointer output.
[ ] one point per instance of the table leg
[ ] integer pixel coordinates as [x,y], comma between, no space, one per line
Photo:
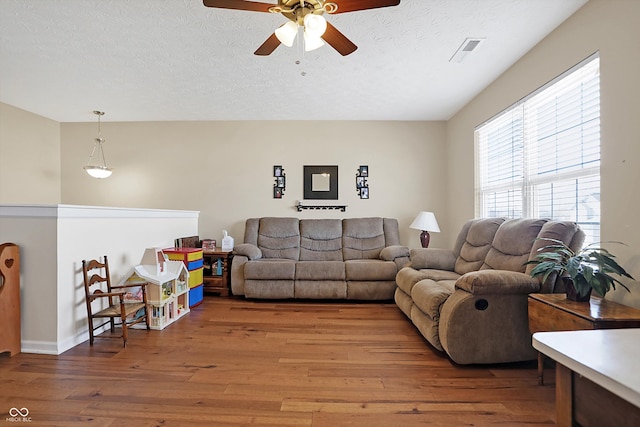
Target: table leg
[540,368]
[564,396]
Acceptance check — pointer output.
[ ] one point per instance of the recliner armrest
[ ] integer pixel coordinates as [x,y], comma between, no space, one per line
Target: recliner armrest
[249,250]
[433,258]
[485,282]
[390,253]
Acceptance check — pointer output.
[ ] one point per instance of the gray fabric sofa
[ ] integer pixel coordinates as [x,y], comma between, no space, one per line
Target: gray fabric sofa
[471,301]
[354,258]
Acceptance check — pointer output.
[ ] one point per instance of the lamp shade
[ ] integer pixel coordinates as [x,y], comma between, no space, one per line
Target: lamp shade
[287,33]
[99,172]
[312,42]
[425,221]
[315,25]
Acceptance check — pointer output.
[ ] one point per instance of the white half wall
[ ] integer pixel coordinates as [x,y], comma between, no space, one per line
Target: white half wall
[54,239]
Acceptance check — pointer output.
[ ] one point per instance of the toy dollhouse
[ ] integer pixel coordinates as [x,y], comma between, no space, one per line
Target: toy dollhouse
[167,289]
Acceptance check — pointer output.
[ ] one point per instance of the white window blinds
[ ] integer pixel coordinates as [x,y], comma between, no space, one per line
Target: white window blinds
[541,157]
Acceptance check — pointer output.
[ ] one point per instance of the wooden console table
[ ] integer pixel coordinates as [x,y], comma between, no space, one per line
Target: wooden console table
[597,376]
[553,312]
[217,272]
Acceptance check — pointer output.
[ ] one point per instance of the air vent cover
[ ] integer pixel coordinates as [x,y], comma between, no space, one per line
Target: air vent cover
[468,46]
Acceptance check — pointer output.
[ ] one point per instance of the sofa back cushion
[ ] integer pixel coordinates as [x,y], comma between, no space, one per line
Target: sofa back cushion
[320,240]
[566,231]
[278,238]
[362,238]
[476,237]
[512,244]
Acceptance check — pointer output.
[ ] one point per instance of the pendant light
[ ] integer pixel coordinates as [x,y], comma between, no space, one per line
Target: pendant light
[94,168]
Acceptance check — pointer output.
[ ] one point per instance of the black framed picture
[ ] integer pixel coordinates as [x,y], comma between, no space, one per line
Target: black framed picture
[277,171]
[364,193]
[321,182]
[360,182]
[364,170]
[277,192]
[280,182]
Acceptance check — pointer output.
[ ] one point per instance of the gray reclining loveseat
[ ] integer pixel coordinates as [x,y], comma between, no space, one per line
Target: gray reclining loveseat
[471,302]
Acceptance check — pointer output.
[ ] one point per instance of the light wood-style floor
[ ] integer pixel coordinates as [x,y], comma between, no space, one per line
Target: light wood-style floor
[232,362]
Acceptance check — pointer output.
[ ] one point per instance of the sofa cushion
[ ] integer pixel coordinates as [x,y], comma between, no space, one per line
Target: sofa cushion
[270,269]
[362,238]
[442,259]
[279,238]
[320,270]
[370,270]
[320,289]
[320,240]
[512,244]
[477,244]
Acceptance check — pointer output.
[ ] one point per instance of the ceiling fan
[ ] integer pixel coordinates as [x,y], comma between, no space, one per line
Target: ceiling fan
[305,14]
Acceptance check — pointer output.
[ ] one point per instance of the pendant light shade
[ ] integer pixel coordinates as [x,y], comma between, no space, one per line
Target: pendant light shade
[96,165]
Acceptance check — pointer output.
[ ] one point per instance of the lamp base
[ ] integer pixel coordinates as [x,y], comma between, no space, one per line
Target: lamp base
[424,239]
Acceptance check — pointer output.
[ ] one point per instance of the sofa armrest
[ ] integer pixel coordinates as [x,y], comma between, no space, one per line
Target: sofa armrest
[249,250]
[390,253]
[433,258]
[485,282]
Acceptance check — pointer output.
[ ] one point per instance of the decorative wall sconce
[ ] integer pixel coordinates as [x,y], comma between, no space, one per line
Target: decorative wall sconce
[362,187]
[281,182]
[96,169]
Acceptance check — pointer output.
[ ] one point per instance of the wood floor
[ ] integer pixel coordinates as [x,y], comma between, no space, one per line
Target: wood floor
[232,362]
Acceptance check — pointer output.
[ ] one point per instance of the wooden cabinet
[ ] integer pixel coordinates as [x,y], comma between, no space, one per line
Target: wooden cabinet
[554,312]
[217,272]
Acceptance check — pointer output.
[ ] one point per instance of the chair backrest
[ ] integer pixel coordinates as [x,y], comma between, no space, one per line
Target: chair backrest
[96,279]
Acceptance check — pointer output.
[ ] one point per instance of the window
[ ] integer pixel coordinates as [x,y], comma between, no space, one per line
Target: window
[540,158]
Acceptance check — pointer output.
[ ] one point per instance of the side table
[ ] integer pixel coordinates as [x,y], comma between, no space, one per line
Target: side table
[554,312]
[217,268]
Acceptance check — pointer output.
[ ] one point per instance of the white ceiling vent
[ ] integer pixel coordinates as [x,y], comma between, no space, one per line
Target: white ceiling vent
[468,46]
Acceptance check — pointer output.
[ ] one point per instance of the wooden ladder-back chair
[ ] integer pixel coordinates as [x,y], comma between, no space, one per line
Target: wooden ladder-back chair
[110,302]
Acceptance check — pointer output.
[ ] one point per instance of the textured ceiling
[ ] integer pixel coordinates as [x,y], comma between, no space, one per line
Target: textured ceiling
[148,60]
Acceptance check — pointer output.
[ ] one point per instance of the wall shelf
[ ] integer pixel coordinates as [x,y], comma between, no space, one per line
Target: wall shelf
[300,207]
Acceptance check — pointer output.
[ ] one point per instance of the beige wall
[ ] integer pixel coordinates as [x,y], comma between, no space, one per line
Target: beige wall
[29,157]
[225,169]
[610,27]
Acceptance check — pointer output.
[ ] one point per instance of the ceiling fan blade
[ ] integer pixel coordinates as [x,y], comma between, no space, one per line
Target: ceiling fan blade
[268,46]
[253,6]
[338,40]
[355,5]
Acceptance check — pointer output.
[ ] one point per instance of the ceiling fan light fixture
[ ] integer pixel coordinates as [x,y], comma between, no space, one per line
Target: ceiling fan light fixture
[312,42]
[314,25]
[287,33]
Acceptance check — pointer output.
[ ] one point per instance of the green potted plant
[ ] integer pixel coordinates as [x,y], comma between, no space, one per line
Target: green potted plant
[590,268]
